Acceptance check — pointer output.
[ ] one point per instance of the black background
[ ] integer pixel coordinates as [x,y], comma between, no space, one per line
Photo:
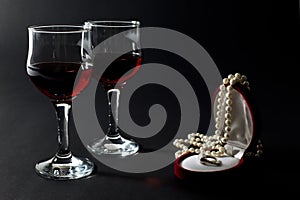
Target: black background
[257,38]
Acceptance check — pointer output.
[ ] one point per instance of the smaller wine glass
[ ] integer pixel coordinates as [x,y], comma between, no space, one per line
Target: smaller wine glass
[55,58]
[109,39]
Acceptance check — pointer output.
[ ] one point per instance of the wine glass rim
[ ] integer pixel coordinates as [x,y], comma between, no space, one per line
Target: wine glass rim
[54,28]
[114,23]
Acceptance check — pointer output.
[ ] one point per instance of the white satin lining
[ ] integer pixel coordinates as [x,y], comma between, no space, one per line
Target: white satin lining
[193,163]
[242,125]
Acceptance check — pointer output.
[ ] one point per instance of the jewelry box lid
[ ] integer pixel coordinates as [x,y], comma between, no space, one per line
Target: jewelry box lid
[237,135]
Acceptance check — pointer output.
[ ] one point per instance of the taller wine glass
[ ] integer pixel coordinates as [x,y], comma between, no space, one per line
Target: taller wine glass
[56,56]
[117,44]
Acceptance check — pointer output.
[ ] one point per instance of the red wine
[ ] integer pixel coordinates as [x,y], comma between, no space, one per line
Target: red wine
[120,70]
[57,79]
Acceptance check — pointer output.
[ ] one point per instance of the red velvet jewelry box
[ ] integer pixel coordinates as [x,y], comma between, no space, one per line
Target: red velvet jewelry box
[243,145]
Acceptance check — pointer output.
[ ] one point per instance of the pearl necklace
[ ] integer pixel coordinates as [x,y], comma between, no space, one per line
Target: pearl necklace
[214,146]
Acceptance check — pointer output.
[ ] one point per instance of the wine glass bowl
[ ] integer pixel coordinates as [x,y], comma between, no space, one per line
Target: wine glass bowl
[118,42]
[56,56]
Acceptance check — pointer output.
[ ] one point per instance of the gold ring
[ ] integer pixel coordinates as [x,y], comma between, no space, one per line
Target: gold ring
[210,161]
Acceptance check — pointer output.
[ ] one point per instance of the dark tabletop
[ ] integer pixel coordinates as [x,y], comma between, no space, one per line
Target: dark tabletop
[258,39]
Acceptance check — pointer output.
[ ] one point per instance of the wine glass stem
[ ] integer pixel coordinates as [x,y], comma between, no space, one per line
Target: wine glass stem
[113,104]
[62,115]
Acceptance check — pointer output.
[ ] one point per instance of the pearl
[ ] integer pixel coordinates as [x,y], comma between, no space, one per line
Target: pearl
[228,95]
[228,122]
[224,140]
[218,126]
[220,100]
[237,75]
[222,88]
[213,153]
[225,81]
[230,76]
[218,119]
[229,102]
[246,83]
[243,78]
[226,135]
[219,113]
[219,107]
[232,81]
[227,129]
[217,132]
[227,115]
[228,108]
[191,150]
[229,88]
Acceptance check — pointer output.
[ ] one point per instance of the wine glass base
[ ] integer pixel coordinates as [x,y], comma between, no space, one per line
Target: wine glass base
[118,146]
[65,168]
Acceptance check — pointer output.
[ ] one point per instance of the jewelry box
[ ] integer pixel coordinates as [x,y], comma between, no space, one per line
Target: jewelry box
[236,140]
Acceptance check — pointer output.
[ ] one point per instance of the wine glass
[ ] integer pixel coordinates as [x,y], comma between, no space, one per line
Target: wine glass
[56,56]
[116,41]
